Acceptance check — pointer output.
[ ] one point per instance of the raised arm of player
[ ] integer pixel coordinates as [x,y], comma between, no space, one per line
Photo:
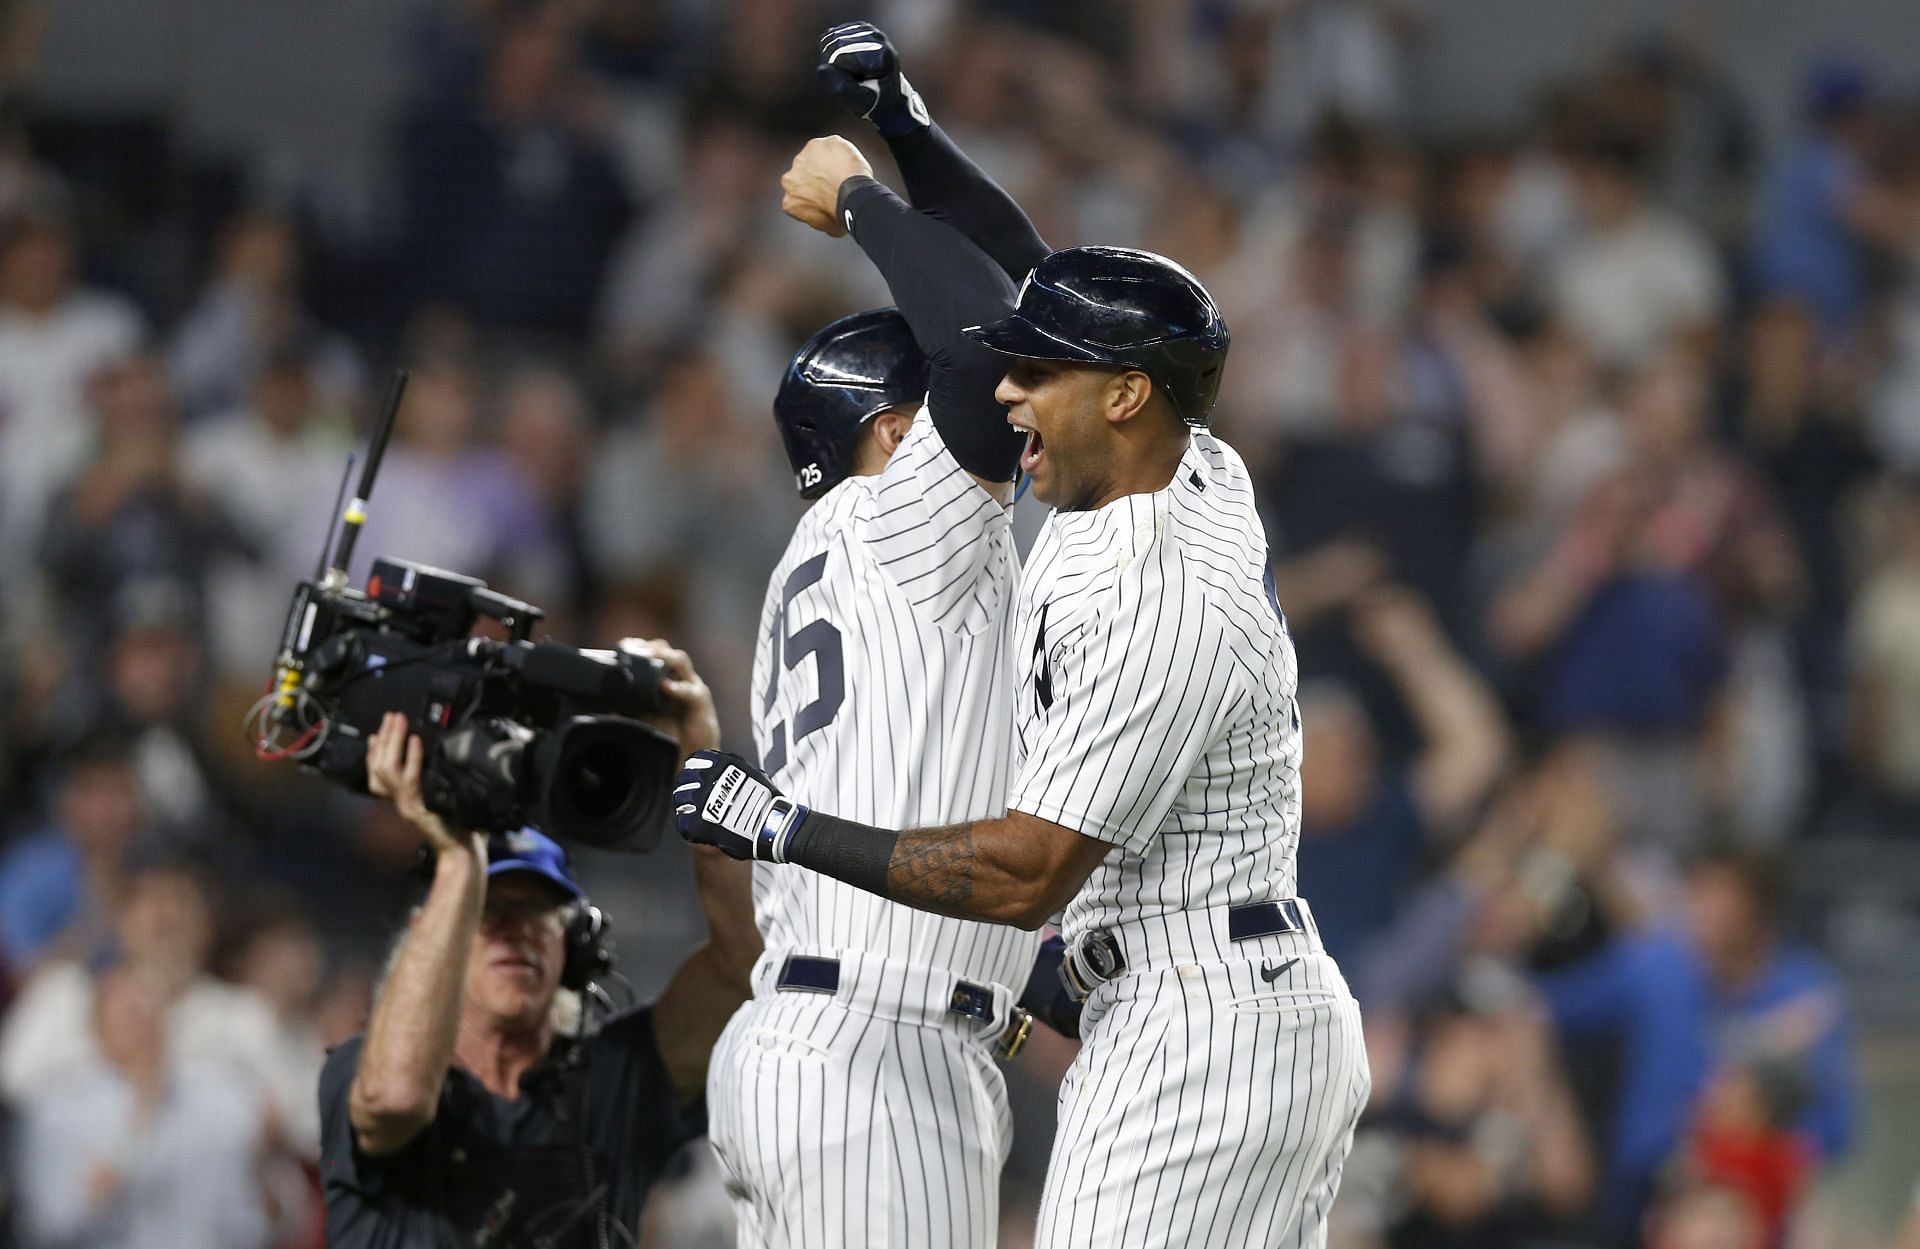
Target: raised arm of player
[940,282]
[858,64]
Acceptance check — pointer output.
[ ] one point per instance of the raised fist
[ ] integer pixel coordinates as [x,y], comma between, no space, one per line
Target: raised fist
[858,64]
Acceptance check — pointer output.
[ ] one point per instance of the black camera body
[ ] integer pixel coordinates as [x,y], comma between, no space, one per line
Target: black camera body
[516,732]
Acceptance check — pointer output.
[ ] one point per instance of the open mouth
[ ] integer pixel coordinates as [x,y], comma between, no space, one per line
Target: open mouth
[1035,448]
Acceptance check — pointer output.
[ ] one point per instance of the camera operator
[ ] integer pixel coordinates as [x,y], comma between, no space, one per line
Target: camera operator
[468,1114]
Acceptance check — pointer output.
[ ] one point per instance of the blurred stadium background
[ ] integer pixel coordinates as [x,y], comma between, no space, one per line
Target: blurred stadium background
[1577,347]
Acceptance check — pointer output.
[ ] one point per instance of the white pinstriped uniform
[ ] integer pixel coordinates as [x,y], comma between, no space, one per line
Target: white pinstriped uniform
[1214,1097]
[883,692]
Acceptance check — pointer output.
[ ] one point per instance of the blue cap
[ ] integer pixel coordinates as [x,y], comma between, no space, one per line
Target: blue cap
[529,850]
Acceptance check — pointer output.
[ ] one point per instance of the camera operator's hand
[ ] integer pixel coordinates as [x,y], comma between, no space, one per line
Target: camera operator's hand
[394,760]
[690,718]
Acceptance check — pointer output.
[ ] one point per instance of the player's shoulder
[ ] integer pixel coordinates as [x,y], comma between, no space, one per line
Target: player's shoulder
[1215,535]
[922,478]
[1212,480]
[828,517]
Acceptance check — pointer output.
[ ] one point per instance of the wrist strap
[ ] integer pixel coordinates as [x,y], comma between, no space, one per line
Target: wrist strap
[784,817]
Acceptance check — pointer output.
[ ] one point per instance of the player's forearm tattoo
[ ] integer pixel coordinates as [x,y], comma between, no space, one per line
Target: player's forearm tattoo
[933,868]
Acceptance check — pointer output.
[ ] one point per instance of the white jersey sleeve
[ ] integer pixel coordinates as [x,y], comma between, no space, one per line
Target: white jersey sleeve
[1128,700]
[929,529]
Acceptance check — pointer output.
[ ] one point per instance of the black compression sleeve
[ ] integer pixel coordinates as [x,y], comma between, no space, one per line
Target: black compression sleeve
[857,853]
[943,183]
[942,283]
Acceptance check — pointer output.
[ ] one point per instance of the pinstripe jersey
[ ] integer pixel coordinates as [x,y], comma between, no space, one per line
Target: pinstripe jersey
[1156,704]
[883,690]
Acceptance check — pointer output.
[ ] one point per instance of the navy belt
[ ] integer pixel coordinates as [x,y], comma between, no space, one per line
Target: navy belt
[1098,956]
[1264,919]
[805,973]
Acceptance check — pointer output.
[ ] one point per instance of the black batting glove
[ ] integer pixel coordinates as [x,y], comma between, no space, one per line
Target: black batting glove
[858,64]
[721,800]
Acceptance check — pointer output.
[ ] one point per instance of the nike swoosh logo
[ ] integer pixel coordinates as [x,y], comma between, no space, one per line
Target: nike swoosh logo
[1271,974]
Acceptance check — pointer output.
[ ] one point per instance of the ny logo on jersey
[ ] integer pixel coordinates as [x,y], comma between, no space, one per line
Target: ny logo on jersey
[1042,678]
[1273,596]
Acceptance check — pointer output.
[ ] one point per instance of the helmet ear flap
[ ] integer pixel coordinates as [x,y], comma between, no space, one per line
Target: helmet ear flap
[858,365]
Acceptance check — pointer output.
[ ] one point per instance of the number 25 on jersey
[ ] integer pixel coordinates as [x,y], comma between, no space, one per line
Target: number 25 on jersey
[792,646]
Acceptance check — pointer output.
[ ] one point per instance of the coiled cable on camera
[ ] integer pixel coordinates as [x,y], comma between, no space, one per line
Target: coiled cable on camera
[305,720]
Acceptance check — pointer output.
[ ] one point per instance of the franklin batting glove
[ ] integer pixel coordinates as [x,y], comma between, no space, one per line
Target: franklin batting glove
[858,64]
[721,800]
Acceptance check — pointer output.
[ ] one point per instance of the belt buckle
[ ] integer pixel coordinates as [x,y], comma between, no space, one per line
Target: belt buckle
[1013,1038]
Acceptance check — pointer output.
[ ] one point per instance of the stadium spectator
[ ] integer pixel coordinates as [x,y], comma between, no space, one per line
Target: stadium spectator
[59,887]
[546,432]
[1370,827]
[1477,1141]
[1808,242]
[54,337]
[151,680]
[278,958]
[250,314]
[1799,421]
[132,1148]
[656,493]
[1629,614]
[1706,1217]
[1885,653]
[273,465]
[1744,1138]
[447,498]
[1636,277]
[1718,985]
[129,516]
[163,934]
[513,200]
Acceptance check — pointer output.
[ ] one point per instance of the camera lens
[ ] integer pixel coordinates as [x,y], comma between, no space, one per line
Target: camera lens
[594,780]
[603,781]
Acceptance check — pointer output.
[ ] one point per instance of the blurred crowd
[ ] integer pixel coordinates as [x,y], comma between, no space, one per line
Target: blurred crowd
[1591,460]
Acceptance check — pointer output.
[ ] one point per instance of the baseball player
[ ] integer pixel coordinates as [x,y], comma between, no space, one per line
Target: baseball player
[1155,802]
[855,1100]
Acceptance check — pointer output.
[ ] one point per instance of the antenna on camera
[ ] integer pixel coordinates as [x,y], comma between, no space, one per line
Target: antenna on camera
[355,513]
[339,497]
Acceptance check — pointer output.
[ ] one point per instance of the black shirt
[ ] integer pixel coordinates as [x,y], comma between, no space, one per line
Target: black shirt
[512,1174]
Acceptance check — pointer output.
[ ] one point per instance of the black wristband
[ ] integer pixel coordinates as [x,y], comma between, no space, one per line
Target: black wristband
[843,202]
[844,849]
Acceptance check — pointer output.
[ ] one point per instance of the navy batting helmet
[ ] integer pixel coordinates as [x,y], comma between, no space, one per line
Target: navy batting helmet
[845,375]
[1115,305]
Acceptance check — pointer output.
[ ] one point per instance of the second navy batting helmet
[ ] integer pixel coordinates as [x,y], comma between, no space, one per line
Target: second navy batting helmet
[1115,305]
[848,373]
